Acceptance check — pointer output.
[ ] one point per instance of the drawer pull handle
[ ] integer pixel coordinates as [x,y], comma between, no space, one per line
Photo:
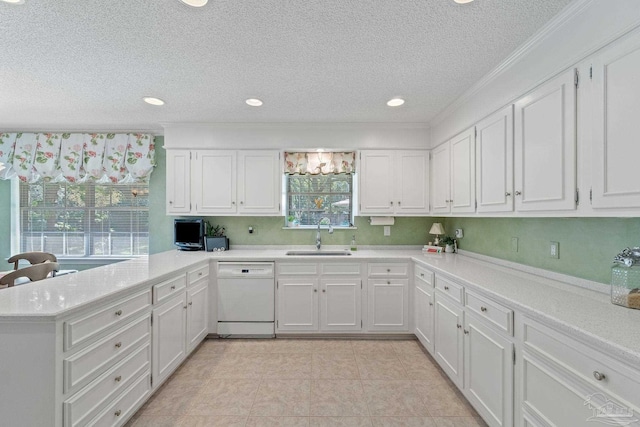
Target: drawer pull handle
[119,313]
[118,344]
[459,326]
[598,376]
[118,378]
[466,332]
[421,274]
[446,288]
[117,413]
[173,288]
[483,309]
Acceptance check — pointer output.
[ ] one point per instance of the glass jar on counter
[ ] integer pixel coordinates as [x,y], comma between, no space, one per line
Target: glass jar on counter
[625,285]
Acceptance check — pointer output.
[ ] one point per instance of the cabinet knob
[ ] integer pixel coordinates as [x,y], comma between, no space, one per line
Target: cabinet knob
[483,309]
[466,332]
[173,288]
[430,303]
[170,202]
[200,274]
[241,202]
[446,288]
[118,344]
[233,203]
[388,282]
[191,303]
[399,203]
[459,326]
[421,274]
[117,413]
[119,313]
[391,203]
[324,290]
[507,194]
[118,378]
[315,290]
[388,270]
[185,307]
[598,376]
[518,193]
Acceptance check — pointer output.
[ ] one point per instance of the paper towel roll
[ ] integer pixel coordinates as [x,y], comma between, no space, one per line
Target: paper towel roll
[382,220]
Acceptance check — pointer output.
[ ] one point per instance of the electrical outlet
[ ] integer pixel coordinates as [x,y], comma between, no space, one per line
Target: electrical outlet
[554,250]
[459,234]
[514,244]
[387,230]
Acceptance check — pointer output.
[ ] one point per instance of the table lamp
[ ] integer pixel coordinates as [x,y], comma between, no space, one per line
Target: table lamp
[436,229]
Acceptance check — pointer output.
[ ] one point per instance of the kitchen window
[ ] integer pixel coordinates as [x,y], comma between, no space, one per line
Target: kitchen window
[312,198]
[84,220]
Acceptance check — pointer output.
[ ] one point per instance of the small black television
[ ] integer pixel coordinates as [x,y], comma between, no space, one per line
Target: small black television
[188,234]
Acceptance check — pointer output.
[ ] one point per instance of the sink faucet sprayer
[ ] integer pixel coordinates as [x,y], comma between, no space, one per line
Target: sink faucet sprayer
[318,238]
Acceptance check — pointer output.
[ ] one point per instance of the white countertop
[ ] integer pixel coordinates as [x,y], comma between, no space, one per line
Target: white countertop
[581,313]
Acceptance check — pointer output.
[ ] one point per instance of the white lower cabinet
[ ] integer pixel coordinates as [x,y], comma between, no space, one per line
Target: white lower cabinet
[388,297]
[488,371]
[449,319]
[169,336]
[197,314]
[423,309]
[319,297]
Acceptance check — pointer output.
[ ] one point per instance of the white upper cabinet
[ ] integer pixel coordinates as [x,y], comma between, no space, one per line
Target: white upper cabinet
[463,172]
[214,183]
[545,146]
[394,182]
[223,182]
[494,162]
[616,125]
[453,175]
[178,186]
[440,171]
[259,174]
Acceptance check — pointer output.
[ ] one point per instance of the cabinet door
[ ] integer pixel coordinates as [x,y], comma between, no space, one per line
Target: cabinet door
[214,182]
[545,146]
[376,182]
[412,183]
[616,152]
[178,182]
[488,372]
[297,304]
[388,305]
[340,305]
[449,338]
[259,177]
[463,172]
[169,336]
[423,312]
[197,313]
[440,189]
[494,162]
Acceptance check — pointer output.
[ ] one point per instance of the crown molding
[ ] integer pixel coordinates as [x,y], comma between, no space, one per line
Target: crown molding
[300,125]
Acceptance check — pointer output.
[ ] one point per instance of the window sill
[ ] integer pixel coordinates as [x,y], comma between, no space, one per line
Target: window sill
[315,227]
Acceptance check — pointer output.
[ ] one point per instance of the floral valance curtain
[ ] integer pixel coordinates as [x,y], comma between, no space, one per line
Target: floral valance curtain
[77,157]
[319,163]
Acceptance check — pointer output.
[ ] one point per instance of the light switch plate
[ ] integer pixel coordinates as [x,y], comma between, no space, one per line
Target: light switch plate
[554,250]
[514,244]
[387,230]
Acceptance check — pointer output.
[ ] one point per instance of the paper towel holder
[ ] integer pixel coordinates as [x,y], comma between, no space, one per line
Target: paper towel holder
[382,220]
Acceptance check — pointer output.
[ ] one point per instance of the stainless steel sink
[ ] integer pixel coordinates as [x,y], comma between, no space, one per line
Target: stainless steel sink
[318,253]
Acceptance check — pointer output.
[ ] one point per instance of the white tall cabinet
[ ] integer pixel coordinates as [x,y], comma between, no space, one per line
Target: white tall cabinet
[616,103]
[545,146]
[223,182]
[394,182]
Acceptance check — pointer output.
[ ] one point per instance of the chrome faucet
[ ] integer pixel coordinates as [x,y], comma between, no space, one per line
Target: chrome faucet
[318,237]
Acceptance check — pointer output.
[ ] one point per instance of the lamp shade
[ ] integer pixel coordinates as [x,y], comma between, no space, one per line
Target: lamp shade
[436,229]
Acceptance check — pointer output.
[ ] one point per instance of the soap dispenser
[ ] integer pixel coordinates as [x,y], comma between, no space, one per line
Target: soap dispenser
[354,247]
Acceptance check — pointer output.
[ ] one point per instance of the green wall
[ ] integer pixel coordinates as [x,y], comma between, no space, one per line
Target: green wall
[160,225]
[5,221]
[587,245]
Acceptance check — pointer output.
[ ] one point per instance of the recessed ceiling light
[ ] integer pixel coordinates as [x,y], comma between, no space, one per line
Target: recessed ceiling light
[395,102]
[153,101]
[463,1]
[14,1]
[254,102]
[195,3]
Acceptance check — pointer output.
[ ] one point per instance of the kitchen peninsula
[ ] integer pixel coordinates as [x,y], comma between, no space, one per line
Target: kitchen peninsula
[81,345]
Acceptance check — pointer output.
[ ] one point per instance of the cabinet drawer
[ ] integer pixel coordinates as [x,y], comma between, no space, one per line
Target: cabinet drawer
[165,290]
[424,277]
[560,351]
[450,288]
[195,275]
[388,269]
[84,404]
[122,408]
[297,269]
[340,268]
[84,366]
[495,313]
[81,329]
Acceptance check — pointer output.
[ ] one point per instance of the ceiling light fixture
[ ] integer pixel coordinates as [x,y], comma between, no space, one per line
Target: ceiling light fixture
[14,1]
[153,101]
[195,3]
[395,102]
[254,102]
[463,1]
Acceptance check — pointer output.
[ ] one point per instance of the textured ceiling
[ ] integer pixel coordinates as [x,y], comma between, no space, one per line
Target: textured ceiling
[86,64]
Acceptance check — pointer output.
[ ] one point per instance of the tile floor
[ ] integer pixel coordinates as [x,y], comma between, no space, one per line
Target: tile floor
[294,382]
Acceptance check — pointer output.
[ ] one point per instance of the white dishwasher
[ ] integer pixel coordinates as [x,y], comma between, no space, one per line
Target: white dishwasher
[246,299]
